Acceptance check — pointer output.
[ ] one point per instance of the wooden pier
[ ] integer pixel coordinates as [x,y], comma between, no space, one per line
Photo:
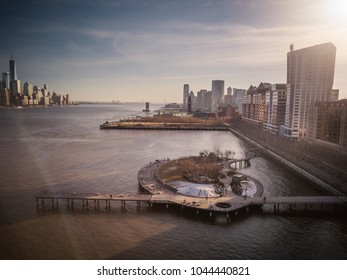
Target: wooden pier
[212,205]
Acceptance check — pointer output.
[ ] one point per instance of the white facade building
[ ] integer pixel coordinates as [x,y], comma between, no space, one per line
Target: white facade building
[310,77]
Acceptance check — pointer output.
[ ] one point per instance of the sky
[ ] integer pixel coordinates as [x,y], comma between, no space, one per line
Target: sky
[146,50]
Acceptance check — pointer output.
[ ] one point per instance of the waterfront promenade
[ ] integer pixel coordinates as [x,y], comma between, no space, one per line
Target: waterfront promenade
[323,163]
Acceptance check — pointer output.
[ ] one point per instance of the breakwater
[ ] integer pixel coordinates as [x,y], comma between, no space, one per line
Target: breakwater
[164,127]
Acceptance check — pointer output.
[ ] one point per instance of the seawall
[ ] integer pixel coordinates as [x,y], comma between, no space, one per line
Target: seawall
[290,165]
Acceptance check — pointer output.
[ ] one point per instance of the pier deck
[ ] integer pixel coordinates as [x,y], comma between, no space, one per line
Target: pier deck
[210,204]
[158,193]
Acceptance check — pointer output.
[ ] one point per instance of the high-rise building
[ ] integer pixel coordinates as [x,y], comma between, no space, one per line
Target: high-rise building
[189,104]
[217,94]
[335,95]
[310,77]
[200,99]
[13,71]
[208,101]
[228,99]
[185,96]
[28,89]
[5,80]
[254,102]
[238,95]
[275,108]
[16,87]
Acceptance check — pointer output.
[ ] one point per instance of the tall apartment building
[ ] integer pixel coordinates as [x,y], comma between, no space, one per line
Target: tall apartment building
[310,77]
[275,108]
[217,94]
[254,102]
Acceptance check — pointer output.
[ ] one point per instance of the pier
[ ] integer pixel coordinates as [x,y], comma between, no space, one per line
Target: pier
[157,193]
[211,205]
[240,163]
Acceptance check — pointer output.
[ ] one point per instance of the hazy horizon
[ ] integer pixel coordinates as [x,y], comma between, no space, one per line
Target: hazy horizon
[135,51]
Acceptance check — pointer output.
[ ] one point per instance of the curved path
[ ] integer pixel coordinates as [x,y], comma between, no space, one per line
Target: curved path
[162,192]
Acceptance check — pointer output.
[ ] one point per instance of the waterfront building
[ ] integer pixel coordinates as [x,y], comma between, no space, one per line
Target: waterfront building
[254,101]
[28,90]
[185,95]
[24,100]
[310,75]
[217,94]
[335,95]
[275,108]
[328,124]
[5,80]
[37,95]
[17,88]
[6,97]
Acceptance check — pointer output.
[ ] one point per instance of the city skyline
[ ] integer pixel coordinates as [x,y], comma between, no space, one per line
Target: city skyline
[144,50]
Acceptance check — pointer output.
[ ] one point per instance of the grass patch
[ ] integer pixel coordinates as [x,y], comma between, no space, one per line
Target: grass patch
[170,172]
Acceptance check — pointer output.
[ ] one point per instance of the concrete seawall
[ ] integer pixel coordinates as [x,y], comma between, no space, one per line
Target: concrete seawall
[290,165]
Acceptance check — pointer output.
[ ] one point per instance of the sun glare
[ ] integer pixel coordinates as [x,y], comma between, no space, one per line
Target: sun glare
[337,9]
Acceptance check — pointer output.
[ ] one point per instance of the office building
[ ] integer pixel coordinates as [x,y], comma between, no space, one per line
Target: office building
[208,101]
[6,97]
[310,76]
[13,72]
[16,87]
[28,89]
[200,99]
[5,80]
[217,94]
[185,96]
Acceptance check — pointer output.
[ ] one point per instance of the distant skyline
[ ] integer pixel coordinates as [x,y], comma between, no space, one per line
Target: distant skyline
[146,50]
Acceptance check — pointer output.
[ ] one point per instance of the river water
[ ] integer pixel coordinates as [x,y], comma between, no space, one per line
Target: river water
[62,149]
